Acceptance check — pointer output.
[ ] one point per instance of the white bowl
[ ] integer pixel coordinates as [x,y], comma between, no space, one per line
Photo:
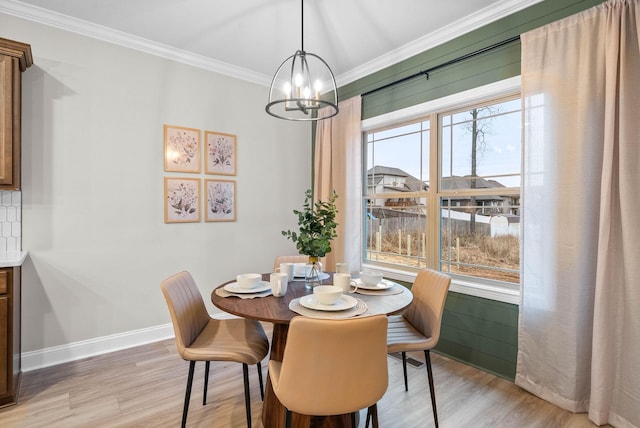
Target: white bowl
[327,294]
[248,280]
[371,278]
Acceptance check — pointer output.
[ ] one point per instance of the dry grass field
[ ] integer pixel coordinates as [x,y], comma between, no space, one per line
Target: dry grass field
[475,255]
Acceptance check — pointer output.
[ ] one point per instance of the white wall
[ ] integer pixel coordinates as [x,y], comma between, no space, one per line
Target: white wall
[92,174]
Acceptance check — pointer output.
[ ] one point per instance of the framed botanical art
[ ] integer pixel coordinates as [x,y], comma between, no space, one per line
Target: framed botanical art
[181,149]
[181,200]
[220,204]
[220,153]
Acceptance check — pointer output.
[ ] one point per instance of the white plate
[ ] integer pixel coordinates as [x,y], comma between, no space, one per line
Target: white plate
[235,288]
[345,302]
[383,285]
[321,277]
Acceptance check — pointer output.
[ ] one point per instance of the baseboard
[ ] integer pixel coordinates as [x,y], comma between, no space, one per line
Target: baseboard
[484,369]
[55,355]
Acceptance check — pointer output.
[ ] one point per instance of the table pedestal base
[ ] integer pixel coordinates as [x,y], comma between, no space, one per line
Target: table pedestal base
[273,412]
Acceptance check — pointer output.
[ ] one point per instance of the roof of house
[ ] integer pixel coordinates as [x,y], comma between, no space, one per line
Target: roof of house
[464,183]
[459,183]
[411,183]
[387,170]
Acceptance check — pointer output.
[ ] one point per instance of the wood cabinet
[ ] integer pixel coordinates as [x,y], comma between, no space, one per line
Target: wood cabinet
[15,57]
[10,368]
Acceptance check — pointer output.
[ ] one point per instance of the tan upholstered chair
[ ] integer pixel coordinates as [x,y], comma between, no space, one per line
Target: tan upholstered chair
[332,367]
[202,338]
[418,328]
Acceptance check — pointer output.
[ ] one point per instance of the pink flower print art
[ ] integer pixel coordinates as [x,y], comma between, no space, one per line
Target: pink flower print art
[221,153]
[181,149]
[221,200]
[182,200]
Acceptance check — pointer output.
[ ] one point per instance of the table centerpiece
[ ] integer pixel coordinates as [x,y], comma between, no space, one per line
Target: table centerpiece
[317,228]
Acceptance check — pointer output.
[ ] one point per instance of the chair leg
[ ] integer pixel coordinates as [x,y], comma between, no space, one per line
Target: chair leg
[287,418]
[247,399]
[374,414]
[187,394]
[404,370]
[260,379]
[366,422]
[206,382]
[431,387]
[353,420]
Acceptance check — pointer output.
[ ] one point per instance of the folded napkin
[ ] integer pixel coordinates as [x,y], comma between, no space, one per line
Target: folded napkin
[224,293]
[396,289]
[360,308]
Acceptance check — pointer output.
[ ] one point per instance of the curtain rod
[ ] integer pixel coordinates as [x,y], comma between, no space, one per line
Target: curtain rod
[448,63]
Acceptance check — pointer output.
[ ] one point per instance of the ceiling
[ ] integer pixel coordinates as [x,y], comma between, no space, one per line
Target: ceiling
[250,38]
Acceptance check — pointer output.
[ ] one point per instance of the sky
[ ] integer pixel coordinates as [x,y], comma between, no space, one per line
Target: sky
[501,153]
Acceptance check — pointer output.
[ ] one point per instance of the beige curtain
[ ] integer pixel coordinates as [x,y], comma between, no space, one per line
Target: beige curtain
[338,166]
[579,332]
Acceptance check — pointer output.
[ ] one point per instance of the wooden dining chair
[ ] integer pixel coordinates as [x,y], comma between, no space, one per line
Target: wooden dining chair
[202,338]
[332,367]
[418,328]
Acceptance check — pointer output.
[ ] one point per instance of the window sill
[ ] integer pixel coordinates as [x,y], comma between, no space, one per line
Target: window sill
[498,292]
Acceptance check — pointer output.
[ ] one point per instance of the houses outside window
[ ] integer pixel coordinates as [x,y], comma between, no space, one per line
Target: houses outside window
[443,191]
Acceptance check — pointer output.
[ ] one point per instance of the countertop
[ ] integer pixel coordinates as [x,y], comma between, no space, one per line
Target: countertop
[12,258]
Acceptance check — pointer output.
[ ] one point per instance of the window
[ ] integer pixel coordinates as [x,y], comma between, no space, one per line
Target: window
[479,191]
[397,177]
[443,191]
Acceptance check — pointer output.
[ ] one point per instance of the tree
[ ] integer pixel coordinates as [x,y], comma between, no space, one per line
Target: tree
[478,146]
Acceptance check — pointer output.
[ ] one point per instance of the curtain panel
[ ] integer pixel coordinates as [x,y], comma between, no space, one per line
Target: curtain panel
[579,326]
[338,154]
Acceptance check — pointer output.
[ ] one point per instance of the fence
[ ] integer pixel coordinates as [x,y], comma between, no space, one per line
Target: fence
[399,238]
[392,233]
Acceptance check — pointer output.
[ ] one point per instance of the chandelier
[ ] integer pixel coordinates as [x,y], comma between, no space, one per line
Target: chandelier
[302,84]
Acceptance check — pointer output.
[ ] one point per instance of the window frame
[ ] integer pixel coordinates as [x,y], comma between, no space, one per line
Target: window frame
[493,290]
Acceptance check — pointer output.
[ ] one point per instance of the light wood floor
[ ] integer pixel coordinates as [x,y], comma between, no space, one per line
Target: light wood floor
[144,387]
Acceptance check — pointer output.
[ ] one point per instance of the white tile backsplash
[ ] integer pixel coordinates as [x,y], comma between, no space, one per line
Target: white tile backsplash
[10,220]
[11,214]
[6,198]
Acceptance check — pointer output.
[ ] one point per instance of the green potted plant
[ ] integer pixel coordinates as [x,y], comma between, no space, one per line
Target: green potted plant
[317,228]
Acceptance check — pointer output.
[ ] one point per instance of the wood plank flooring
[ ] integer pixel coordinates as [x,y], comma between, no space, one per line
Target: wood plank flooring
[144,387]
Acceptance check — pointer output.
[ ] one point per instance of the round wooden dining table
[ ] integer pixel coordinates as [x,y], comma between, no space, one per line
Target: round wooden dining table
[276,310]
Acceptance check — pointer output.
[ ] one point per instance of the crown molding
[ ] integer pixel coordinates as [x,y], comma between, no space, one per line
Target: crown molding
[85,28]
[442,35]
[436,38]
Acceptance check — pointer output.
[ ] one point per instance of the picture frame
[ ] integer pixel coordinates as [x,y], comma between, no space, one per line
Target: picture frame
[220,200]
[181,149]
[181,200]
[220,156]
